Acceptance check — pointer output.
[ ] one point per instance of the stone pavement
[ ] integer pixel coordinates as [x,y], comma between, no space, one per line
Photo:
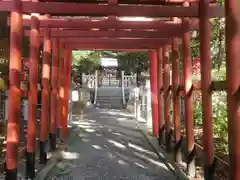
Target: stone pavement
[109,146]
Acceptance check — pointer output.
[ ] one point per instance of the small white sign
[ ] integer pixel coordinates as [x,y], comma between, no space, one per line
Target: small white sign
[75,95]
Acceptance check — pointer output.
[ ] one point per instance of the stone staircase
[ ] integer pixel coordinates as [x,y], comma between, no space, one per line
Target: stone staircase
[109,97]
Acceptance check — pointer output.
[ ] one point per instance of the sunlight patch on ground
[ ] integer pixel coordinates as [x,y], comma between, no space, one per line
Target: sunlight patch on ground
[120,113]
[86,123]
[116,113]
[70,155]
[84,126]
[96,147]
[112,113]
[161,154]
[85,140]
[171,166]
[92,120]
[122,162]
[122,119]
[159,164]
[125,114]
[117,134]
[117,144]
[138,148]
[140,165]
[76,122]
[90,130]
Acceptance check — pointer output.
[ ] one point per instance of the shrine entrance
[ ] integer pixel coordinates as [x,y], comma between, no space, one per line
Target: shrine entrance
[109,73]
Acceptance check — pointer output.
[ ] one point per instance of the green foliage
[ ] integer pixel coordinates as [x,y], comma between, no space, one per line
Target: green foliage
[109,54]
[130,62]
[222,2]
[5,45]
[133,61]
[217,44]
[219,118]
[220,121]
[197,112]
[85,61]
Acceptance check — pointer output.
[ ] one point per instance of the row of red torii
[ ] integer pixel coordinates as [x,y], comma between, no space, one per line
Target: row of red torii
[159,37]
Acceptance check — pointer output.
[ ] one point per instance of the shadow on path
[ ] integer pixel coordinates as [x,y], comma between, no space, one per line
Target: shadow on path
[109,146]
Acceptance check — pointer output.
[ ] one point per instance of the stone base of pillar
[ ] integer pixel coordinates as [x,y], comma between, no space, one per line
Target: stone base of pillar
[161,136]
[30,165]
[53,141]
[191,167]
[58,133]
[43,153]
[11,174]
[168,141]
[178,151]
[210,170]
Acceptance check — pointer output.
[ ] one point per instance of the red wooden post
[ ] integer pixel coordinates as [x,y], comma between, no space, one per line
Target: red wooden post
[32,98]
[176,101]
[45,96]
[60,90]
[14,91]
[206,79]
[166,98]
[67,83]
[54,74]
[154,90]
[187,68]
[233,85]
[160,99]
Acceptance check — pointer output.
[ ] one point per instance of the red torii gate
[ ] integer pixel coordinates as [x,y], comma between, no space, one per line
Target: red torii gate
[159,52]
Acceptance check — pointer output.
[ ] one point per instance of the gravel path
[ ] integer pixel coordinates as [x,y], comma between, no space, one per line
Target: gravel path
[109,147]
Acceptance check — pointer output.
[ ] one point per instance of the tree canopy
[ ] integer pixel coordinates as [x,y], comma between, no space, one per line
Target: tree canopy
[85,61]
[88,61]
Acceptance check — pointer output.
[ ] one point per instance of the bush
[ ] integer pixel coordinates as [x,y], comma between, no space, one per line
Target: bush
[219,109]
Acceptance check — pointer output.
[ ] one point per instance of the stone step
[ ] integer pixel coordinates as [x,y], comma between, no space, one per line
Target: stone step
[109,102]
[110,106]
[109,98]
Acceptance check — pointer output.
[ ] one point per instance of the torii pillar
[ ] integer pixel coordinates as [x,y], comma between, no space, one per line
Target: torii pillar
[233,85]
[32,97]
[154,91]
[60,95]
[187,68]
[14,91]
[161,121]
[45,96]
[54,79]
[67,85]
